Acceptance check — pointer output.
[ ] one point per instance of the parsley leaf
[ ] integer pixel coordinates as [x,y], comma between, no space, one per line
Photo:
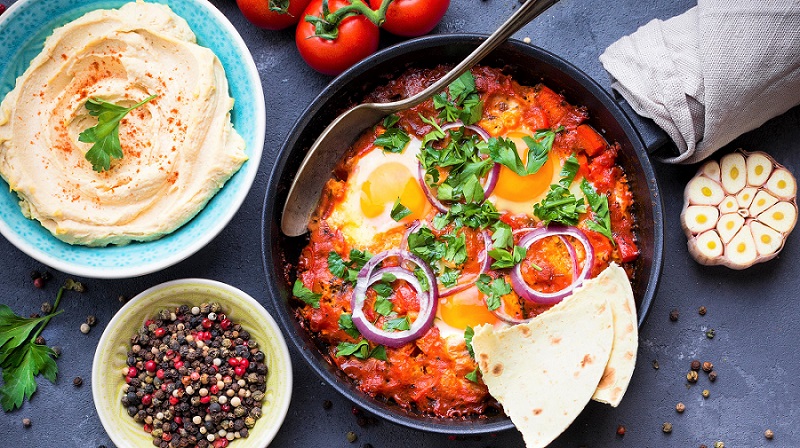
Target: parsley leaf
[449,277]
[397,324]
[348,270]
[469,333]
[383,306]
[105,134]
[21,358]
[361,350]
[599,204]
[464,102]
[494,289]
[399,211]
[539,148]
[504,152]
[306,295]
[502,236]
[436,134]
[472,215]
[393,139]
[560,205]
[346,324]
[473,376]
[504,258]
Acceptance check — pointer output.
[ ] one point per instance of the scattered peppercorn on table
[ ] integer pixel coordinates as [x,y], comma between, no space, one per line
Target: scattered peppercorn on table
[717,355]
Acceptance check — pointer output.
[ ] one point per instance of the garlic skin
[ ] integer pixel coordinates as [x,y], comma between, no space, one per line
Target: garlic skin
[739,211]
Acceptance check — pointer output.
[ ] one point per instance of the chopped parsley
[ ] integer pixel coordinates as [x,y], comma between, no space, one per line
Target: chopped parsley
[397,324]
[348,270]
[463,102]
[469,333]
[399,211]
[361,350]
[560,205]
[394,139]
[494,289]
[473,376]
[599,205]
[505,258]
[306,295]
[346,324]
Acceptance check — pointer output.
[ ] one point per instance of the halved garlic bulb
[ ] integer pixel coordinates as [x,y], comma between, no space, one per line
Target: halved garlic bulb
[739,211]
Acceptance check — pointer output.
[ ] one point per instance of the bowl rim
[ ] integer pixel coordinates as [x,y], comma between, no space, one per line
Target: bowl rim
[248,172]
[271,208]
[247,300]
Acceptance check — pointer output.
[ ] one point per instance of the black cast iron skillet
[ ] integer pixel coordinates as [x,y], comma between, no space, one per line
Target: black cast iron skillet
[528,65]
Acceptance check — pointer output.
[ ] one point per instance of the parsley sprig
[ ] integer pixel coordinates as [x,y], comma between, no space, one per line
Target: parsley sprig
[494,289]
[105,134]
[348,270]
[21,358]
[504,151]
[361,350]
[308,296]
[394,139]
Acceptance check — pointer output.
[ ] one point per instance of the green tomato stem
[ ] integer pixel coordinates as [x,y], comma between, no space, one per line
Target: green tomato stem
[331,20]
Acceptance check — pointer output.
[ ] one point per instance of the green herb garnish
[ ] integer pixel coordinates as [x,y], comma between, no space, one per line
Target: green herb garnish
[383,305]
[346,324]
[361,350]
[599,205]
[348,270]
[105,134]
[560,205]
[463,102]
[399,211]
[397,324]
[473,376]
[469,333]
[494,289]
[21,358]
[394,139]
[505,258]
[308,296]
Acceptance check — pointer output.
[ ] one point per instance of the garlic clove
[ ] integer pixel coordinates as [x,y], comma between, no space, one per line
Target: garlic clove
[767,240]
[745,197]
[781,216]
[741,251]
[729,225]
[761,202]
[782,184]
[728,205]
[711,170]
[706,246]
[733,169]
[699,218]
[704,191]
[759,167]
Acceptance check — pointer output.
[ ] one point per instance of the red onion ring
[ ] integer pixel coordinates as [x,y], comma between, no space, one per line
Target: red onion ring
[486,264]
[491,178]
[428,300]
[530,294]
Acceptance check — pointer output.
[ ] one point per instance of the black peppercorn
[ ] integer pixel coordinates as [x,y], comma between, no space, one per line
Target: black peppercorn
[77,381]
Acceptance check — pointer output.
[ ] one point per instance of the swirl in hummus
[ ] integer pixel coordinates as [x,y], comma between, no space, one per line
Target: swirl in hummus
[179,149]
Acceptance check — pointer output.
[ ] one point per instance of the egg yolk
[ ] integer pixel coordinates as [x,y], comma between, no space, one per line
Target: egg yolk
[385,184]
[513,187]
[465,308]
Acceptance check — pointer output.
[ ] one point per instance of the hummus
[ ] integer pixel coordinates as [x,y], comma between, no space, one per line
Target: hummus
[178,149]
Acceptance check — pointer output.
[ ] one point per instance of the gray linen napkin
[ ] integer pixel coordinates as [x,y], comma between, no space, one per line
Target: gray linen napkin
[713,73]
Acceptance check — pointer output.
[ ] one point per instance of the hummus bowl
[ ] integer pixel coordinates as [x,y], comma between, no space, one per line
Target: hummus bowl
[110,357]
[23,30]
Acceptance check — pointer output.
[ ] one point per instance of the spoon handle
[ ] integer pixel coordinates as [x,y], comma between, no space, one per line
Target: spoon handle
[527,12]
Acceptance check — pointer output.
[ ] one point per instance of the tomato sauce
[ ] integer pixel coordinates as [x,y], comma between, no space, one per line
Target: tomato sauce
[428,375]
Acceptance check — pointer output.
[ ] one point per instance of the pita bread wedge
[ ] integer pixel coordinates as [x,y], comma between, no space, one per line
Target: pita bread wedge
[614,285]
[544,371]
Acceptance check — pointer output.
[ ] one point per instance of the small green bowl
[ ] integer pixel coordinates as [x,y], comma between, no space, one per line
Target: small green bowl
[110,357]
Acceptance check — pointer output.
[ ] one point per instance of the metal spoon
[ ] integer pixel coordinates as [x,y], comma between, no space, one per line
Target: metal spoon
[334,141]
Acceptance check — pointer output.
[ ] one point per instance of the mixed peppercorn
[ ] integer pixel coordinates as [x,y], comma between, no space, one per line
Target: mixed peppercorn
[194,378]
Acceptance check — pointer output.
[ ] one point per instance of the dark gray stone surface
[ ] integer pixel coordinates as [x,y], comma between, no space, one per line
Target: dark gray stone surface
[754,312]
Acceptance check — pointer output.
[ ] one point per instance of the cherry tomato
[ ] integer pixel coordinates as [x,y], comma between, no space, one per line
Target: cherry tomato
[412,18]
[258,12]
[357,39]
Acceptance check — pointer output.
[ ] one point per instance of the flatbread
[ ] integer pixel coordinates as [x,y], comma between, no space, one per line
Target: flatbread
[613,284]
[544,371]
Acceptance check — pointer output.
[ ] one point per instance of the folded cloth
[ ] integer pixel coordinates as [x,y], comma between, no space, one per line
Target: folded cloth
[713,73]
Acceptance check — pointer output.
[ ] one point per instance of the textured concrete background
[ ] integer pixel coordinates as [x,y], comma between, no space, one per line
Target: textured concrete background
[754,312]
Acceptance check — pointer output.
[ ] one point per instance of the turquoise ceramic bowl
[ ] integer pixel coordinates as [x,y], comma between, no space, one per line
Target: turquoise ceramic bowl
[23,29]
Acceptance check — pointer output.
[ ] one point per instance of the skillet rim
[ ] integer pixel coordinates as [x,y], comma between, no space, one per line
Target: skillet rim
[272,238]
